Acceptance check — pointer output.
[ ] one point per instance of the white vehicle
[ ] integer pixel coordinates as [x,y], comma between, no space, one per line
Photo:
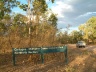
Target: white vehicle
[80,44]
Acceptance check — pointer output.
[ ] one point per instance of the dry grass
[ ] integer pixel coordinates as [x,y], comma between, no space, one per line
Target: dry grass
[80,60]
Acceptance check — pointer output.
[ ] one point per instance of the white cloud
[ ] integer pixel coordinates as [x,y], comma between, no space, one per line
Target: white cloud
[86,14]
[74,12]
[60,8]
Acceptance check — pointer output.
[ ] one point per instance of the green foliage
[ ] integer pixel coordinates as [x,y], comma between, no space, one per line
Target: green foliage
[19,19]
[23,6]
[39,6]
[76,36]
[70,69]
[52,1]
[73,37]
[63,38]
[4,23]
[5,6]
[7,16]
[53,20]
[92,26]
[89,29]
[2,27]
[19,24]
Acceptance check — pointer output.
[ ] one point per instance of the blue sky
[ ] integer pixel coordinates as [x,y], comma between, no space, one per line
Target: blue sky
[18,10]
[73,12]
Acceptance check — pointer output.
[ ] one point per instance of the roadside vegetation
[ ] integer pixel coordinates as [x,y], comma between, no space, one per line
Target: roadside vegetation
[17,31]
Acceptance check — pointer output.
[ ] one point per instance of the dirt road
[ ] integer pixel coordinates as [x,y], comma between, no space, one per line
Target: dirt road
[91,47]
[88,47]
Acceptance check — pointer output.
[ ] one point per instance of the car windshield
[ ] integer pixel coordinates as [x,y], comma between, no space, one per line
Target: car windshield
[81,42]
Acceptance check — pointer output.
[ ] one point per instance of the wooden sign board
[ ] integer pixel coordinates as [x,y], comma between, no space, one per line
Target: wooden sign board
[39,50]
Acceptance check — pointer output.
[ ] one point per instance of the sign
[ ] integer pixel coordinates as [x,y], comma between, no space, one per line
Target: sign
[26,50]
[39,50]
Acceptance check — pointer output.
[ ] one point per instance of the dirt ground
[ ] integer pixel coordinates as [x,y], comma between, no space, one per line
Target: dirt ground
[79,60]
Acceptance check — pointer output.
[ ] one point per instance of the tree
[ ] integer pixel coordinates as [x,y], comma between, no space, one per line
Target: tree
[89,29]
[5,7]
[20,19]
[76,36]
[52,1]
[5,23]
[53,20]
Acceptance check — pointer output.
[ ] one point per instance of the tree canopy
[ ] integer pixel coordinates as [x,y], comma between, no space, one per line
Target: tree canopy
[89,29]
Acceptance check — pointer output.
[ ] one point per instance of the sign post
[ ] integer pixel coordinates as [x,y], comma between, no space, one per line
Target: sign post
[13,55]
[39,50]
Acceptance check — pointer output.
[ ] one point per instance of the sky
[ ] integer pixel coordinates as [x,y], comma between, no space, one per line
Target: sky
[72,12]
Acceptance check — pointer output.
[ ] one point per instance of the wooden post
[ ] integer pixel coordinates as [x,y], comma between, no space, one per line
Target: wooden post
[66,58]
[13,55]
[42,55]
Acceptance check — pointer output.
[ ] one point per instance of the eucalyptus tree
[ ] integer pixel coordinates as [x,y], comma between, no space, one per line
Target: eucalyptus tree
[5,10]
[6,6]
[91,25]
[53,20]
[89,29]
[19,22]
[76,36]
